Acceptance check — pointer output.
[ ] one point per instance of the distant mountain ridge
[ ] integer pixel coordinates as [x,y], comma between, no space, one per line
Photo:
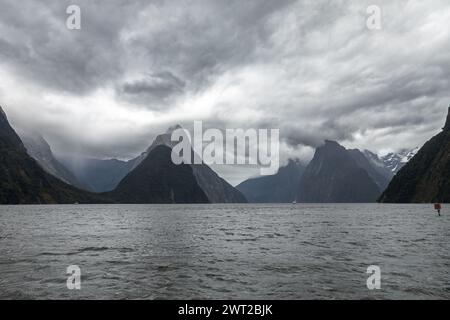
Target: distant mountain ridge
[335,174]
[97,175]
[426,177]
[278,188]
[31,174]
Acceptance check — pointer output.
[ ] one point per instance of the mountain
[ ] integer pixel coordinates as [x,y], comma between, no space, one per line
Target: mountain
[158,180]
[23,181]
[394,161]
[368,161]
[98,175]
[378,164]
[334,176]
[426,177]
[38,148]
[216,189]
[164,139]
[278,188]
[105,175]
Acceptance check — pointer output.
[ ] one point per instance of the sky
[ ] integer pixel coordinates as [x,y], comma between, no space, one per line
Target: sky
[311,68]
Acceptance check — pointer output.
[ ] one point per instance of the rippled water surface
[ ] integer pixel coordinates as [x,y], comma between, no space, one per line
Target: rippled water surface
[224,251]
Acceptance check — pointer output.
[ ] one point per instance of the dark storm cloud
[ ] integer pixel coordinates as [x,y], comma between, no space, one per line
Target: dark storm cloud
[159,87]
[40,47]
[204,38]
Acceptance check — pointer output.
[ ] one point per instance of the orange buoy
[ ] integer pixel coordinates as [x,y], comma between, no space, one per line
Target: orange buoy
[438,207]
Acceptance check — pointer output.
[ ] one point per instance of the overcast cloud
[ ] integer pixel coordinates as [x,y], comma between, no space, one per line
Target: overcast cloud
[311,68]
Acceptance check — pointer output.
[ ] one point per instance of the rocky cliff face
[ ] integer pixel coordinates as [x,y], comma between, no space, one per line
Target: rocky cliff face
[426,177]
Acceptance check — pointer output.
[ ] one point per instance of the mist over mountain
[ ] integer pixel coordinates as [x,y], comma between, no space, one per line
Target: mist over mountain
[335,174]
[95,174]
[160,140]
[38,148]
[152,178]
[22,179]
[102,175]
[105,175]
[426,177]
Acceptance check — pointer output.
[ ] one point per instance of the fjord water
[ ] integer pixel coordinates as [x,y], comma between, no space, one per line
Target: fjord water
[224,251]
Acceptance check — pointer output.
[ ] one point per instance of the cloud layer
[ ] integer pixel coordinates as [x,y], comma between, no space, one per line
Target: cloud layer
[311,68]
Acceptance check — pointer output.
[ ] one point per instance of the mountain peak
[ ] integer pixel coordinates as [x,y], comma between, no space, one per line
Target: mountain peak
[173,128]
[447,123]
[158,180]
[336,175]
[2,113]
[331,143]
[331,146]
